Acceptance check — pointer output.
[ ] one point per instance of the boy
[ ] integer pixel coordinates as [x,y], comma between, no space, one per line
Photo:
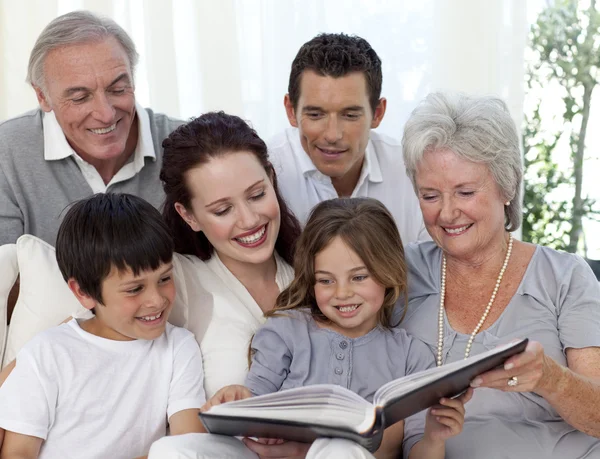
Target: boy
[105,387]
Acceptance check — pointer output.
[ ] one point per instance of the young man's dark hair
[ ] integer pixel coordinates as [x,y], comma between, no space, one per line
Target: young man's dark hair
[110,230]
[336,55]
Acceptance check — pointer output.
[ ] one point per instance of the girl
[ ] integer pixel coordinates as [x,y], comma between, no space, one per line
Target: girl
[333,323]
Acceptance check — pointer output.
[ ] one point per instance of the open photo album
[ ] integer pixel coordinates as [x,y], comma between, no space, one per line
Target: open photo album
[326,410]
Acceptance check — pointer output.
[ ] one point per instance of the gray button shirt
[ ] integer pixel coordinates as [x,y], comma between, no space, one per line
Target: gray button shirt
[292,351]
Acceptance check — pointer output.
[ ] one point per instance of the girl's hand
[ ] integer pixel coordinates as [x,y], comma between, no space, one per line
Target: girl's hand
[227,394]
[525,371]
[446,419]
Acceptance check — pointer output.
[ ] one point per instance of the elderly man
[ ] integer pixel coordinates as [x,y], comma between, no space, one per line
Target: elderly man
[89,134]
[333,103]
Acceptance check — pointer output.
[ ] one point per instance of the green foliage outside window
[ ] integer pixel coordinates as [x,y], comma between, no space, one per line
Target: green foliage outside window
[565,44]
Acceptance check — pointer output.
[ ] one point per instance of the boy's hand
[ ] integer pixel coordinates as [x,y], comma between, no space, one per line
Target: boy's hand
[446,419]
[227,394]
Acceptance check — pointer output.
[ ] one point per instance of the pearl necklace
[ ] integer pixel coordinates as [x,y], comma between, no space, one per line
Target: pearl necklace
[485,313]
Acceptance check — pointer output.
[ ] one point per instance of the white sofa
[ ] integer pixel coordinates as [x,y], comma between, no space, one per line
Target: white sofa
[44,298]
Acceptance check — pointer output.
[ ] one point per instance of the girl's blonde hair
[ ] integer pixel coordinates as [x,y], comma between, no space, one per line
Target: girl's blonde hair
[368,228]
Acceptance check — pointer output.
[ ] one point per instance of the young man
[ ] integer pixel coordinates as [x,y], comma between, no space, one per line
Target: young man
[333,103]
[107,386]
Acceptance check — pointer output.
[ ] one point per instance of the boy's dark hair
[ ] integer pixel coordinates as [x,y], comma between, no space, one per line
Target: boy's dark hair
[336,55]
[110,230]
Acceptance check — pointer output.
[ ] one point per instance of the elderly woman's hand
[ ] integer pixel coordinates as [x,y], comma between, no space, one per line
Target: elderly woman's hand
[524,372]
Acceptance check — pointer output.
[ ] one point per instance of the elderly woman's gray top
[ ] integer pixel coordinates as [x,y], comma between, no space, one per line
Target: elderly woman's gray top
[292,351]
[556,304]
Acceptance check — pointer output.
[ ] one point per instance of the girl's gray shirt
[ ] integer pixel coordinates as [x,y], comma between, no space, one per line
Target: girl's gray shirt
[291,350]
[556,304]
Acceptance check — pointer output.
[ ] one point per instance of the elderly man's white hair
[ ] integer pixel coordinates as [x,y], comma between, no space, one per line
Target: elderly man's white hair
[478,129]
[72,29]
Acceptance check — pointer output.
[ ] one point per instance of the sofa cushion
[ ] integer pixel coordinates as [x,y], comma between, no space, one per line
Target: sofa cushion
[9,272]
[44,298]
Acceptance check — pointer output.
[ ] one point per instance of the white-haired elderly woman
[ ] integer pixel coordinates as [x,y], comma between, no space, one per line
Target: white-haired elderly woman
[476,286]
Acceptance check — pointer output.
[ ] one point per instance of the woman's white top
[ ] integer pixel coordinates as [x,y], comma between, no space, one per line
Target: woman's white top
[214,305]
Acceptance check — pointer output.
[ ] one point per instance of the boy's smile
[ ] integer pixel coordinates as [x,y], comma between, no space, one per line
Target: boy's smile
[151,319]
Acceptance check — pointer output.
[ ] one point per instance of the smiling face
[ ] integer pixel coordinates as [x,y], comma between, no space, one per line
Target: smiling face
[90,89]
[134,307]
[334,118]
[345,291]
[234,204]
[462,205]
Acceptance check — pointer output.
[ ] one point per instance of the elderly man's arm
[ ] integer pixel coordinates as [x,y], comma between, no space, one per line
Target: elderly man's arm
[11,217]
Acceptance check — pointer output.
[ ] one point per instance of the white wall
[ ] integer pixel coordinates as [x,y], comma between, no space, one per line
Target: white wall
[235,55]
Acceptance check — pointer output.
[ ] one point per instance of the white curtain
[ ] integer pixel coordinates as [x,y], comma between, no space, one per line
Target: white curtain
[235,55]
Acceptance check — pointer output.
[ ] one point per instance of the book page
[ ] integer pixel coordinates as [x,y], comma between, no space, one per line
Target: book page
[323,404]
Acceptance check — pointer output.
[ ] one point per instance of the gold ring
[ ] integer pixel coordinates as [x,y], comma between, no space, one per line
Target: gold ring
[512,382]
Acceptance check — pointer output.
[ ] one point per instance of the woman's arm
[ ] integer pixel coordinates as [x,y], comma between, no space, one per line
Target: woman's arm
[186,421]
[573,391]
[6,371]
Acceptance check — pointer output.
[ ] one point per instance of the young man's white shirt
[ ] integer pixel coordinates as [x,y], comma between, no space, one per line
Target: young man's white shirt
[92,397]
[382,177]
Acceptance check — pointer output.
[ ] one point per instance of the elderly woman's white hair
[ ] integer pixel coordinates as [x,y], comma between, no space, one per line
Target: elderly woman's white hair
[72,29]
[478,129]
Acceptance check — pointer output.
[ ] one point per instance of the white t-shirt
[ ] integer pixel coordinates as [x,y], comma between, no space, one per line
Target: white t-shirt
[92,397]
[383,177]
